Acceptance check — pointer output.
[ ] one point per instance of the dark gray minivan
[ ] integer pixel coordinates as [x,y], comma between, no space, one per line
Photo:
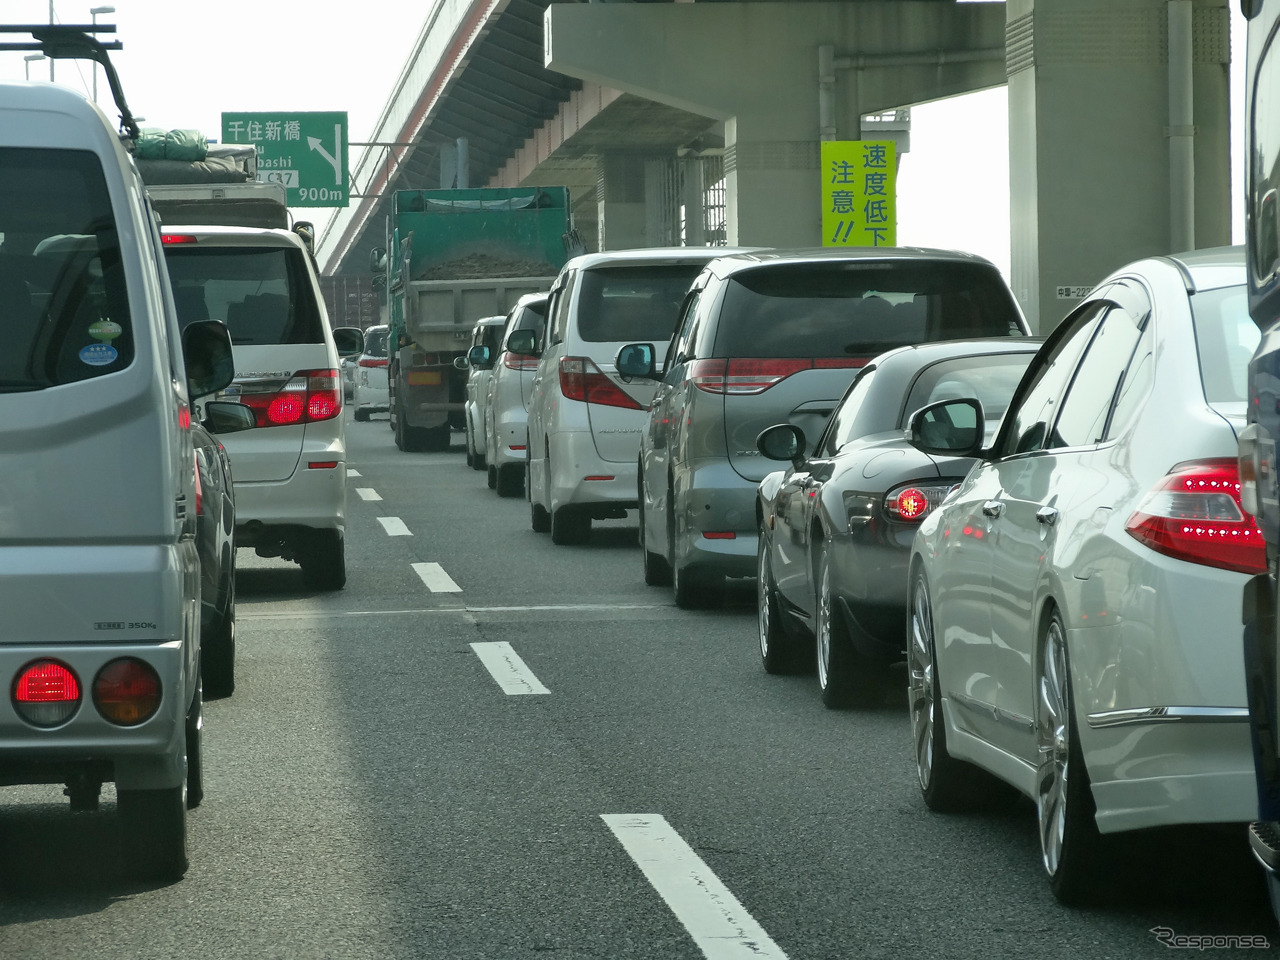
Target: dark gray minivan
[771,337]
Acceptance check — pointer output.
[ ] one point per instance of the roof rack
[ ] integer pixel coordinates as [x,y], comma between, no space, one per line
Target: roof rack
[66,41]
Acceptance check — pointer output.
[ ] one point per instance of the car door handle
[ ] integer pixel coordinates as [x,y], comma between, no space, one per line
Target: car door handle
[1047,515]
[993,508]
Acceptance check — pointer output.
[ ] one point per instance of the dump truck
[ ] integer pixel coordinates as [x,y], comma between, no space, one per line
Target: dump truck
[456,256]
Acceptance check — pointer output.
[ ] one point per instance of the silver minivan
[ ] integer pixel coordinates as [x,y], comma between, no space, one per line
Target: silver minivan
[99,570]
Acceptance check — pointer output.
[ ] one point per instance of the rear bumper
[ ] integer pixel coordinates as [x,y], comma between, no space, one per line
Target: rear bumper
[581,478]
[510,429]
[711,498]
[312,497]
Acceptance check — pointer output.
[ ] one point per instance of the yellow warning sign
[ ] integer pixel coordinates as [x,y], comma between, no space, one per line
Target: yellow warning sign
[859,198]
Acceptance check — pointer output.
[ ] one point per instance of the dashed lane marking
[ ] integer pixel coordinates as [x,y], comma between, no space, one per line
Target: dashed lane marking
[395,527]
[352,473]
[437,581]
[505,666]
[368,493]
[718,923]
[246,613]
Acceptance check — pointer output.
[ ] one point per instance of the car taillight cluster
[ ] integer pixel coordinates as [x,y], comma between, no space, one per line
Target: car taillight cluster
[518,361]
[582,380]
[373,361]
[747,376]
[912,502]
[47,693]
[309,397]
[1195,514]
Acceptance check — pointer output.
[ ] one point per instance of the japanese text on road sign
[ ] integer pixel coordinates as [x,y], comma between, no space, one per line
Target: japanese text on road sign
[859,199]
[307,152]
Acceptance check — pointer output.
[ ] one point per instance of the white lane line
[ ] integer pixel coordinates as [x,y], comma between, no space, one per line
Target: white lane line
[353,473]
[247,614]
[718,923]
[435,578]
[368,493]
[506,667]
[395,527]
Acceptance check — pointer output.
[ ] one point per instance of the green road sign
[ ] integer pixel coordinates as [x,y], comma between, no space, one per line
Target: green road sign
[307,152]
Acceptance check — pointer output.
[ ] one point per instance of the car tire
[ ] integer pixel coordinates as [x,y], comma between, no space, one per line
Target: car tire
[324,565]
[570,525]
[218,647]
[1065,809]
[154,828]
[947,784]
[539,518]
[195,756]
[360,414]
[491,477]
[657,572]
[845,679]
[509,479]
[779,653]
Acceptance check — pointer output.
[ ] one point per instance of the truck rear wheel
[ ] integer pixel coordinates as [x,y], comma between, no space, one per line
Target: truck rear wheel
[432,439]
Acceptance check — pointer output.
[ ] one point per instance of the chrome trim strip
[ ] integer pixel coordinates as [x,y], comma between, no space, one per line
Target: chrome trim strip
[1121,718]
[1000,715]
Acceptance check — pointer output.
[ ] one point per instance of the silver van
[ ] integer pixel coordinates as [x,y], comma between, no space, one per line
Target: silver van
[99,568]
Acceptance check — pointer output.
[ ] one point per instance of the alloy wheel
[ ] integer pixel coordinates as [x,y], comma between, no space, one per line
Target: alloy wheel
[920,682]
[823,625]
[1053,741]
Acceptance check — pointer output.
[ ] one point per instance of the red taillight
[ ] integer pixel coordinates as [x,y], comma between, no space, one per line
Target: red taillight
[720,534]
[311,396]
[518,361]
[127,692]
[373,362]
[746,376]
[912,502]
[1194,514]
[169,239]
[46,693]
[582,380]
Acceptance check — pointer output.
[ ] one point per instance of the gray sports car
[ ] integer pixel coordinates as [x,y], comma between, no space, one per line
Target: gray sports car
[835,527]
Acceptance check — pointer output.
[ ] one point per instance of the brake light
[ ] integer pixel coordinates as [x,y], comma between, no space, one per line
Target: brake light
[912,502]
[127,692]
[582,380]
[168,239]
[747,376]
[1195,514]
[46,693]
[309,397]
[518,361]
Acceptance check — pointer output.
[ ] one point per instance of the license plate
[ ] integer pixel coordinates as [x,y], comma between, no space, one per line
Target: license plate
[426,378]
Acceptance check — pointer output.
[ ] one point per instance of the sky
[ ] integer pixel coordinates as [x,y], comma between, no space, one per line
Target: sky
[184,63]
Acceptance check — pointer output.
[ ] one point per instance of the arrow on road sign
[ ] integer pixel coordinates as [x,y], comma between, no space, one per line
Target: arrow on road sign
[315,144]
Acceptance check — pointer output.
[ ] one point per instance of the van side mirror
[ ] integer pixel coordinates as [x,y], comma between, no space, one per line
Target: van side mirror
[480,356]
[635,360]
[523,342]
[952,428]
[378,260]
[349,341]
[782,441]
[206,353]
[227,416]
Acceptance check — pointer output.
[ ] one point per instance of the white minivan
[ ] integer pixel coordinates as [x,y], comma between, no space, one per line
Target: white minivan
[99,570]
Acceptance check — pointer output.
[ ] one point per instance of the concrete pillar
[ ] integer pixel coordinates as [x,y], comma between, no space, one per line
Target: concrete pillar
[692,56]
[1090,141]
[623,216]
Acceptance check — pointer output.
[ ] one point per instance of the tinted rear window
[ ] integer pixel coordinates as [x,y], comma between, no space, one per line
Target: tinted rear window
[1225,341]
[64,306]
[633,303]
[822,310]
[375,341]
[532,316]
[261,293]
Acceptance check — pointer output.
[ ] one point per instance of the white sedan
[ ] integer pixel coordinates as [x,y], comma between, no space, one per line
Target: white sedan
[1075,603]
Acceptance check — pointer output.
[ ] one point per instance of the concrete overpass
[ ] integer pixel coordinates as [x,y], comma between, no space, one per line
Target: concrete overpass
[700,122]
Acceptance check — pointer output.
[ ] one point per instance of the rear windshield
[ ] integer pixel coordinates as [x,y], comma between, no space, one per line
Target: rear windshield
[1225,341]
[532,316]
[375,342]
[633,303]
[64,306]
[989,379]
[852,309]
[261,293]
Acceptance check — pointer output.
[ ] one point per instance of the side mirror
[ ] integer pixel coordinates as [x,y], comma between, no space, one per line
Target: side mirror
[951,428]
[480,356]
[635,360]
[782,441]
[523,342]
[461,363]
[378,260]
[226,416]
[349,341]
[306,230]
[206,352]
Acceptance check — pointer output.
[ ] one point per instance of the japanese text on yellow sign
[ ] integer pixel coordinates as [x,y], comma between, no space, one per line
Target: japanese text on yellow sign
[859,200]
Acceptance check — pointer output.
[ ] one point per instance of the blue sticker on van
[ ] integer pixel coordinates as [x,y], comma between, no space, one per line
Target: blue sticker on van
[98,354]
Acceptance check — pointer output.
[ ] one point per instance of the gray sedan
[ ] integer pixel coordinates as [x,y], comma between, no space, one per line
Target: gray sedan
[835,527]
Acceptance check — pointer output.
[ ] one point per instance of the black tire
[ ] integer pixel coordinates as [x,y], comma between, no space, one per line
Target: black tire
[1065,810]
[570,526]
[947,784]
[845,678]
[433,439]
[509,479]
[324,565]
[218,648]
[475,459]
[361,414]
[491,477]
[539,519]
[779,651]
[153,825]
[657,572]
[195,755]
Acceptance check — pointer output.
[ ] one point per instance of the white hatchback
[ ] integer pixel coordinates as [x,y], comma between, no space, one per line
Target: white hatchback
[585,420]
[1075,603]
[372,394]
